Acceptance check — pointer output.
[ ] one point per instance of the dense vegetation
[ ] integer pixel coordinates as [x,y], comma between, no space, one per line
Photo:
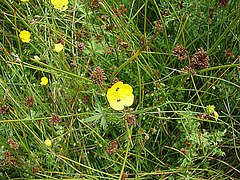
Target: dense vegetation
[60,118]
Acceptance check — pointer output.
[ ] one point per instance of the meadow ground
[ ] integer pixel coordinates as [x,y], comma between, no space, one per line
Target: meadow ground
[119,89]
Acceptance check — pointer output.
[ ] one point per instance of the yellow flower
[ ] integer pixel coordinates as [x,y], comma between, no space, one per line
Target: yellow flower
[58,47]
[120,95]
[60,4]
[44,81]
[24,0]
[48,142]
[25,36]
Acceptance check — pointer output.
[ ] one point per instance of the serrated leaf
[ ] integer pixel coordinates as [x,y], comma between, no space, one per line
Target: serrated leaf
[92,118]
[97,110]
[104,123]
[96,47]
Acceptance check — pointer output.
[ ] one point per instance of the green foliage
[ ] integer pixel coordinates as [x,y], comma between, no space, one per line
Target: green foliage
[198,142]
[184,122]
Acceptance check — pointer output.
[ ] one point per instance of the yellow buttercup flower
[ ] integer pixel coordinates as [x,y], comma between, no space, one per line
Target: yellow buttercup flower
[58,47]
[60,4]
[44,81]
[24,0]
[120,95]
[25,36]
[48,142]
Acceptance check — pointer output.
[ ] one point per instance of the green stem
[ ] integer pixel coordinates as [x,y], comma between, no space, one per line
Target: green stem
[220,22]
[134,56]
[224,34]
[59,70]
[196,90]
[128,144]
[204,70]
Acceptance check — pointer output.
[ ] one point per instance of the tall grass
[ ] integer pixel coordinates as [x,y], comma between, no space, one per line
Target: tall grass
[184,122]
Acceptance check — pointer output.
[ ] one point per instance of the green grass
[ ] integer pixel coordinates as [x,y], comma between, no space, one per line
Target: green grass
[173,134]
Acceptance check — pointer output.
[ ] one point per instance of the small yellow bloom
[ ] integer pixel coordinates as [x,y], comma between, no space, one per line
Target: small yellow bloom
[60,4]
[210,109]
[24,0]
[58,47]
[48,142]
[120,95]
[36,58]
[44,81]
[25,36]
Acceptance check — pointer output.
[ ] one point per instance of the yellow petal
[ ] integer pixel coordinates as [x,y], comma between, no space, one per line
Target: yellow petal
[216,115]
[127,88]
[25,36]
[48,142]
[110,95]
[58,47]
[128,100]
[123,92]
[117,85]
[44,81]
[25,40]
[117,105]
[60,4]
